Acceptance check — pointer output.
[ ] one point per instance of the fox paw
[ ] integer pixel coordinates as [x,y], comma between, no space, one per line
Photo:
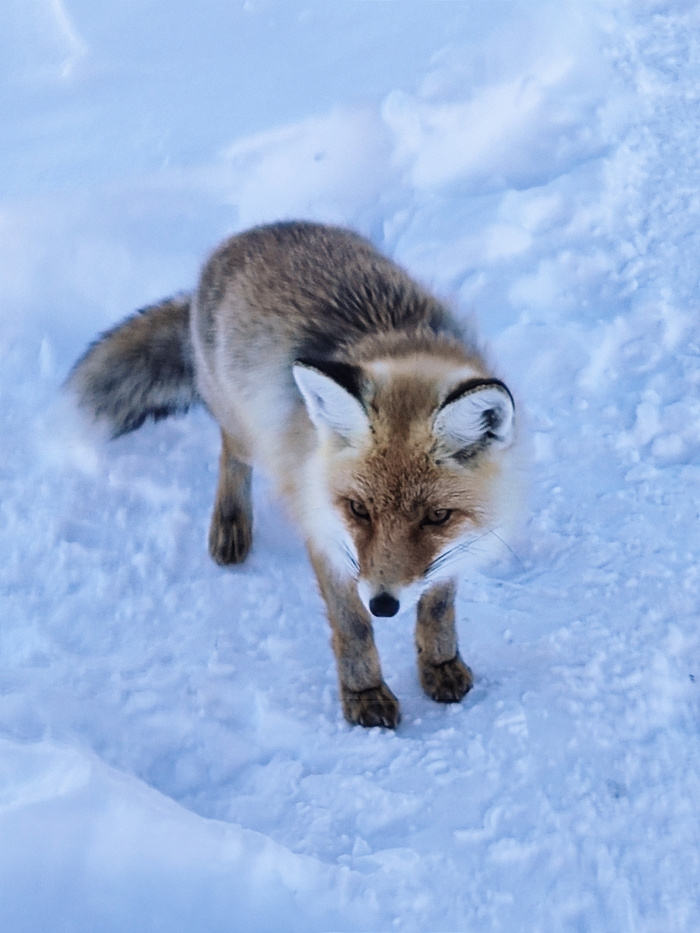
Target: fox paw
[230,538]
[374,707]
[447,682]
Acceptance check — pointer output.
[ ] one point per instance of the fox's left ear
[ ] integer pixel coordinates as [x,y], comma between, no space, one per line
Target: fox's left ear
[332,393]
[477,414]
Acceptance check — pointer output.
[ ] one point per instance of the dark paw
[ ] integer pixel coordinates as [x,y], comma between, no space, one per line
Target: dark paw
[230,538]
[374,707]
[447,682]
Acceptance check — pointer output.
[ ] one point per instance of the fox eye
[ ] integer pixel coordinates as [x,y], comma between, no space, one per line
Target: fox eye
[358,509]
[437,516]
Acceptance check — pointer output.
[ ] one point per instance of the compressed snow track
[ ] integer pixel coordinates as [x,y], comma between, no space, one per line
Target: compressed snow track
[172,752]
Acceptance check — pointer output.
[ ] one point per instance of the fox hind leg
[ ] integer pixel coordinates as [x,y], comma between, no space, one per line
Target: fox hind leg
[366,699]
[443,674]
[231,529]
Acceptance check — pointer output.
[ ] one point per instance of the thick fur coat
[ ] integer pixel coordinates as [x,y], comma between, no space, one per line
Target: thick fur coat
[356,391]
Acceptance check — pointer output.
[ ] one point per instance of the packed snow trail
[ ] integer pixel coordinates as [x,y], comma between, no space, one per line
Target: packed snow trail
[172,751]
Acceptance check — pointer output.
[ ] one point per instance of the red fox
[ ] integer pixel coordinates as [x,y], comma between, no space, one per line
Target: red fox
[357,392]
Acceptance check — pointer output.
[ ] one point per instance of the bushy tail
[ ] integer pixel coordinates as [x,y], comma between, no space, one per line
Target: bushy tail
[142,368]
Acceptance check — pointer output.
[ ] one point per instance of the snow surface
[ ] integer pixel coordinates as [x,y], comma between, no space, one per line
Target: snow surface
[172,752]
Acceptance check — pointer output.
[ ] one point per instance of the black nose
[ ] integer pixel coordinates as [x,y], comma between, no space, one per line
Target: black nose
[383,605]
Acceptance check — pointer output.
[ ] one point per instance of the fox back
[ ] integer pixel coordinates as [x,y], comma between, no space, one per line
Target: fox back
[357,392]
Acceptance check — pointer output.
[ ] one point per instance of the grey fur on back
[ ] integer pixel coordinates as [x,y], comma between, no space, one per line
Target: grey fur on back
[142,368]
[273,294]
[320,290]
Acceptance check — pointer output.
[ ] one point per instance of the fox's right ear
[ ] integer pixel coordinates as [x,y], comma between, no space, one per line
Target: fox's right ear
[332,395]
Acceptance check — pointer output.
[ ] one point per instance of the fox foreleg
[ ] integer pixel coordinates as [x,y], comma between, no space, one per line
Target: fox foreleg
[443,674]
[367,701]
[231,530]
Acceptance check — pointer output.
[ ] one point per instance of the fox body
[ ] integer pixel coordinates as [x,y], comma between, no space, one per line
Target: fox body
[356,391]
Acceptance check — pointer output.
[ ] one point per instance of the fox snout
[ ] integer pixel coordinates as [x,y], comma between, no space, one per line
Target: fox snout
[384,601]
[384,604]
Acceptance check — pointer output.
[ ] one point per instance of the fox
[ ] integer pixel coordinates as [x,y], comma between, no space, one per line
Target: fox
[363,399]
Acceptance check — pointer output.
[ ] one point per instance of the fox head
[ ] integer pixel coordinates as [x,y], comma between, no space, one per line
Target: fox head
[407,474]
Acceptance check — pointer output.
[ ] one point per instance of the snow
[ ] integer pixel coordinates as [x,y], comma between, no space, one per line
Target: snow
[172,751]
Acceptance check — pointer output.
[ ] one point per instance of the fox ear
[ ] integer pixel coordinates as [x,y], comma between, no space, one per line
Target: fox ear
[332,395]
[476,415]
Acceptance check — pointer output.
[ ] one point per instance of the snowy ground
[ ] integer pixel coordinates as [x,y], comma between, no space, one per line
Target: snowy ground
[172,753]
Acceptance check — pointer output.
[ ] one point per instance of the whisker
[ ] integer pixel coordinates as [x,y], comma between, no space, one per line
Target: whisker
[449,556]
[351,558]
[452,556]
[505,544]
